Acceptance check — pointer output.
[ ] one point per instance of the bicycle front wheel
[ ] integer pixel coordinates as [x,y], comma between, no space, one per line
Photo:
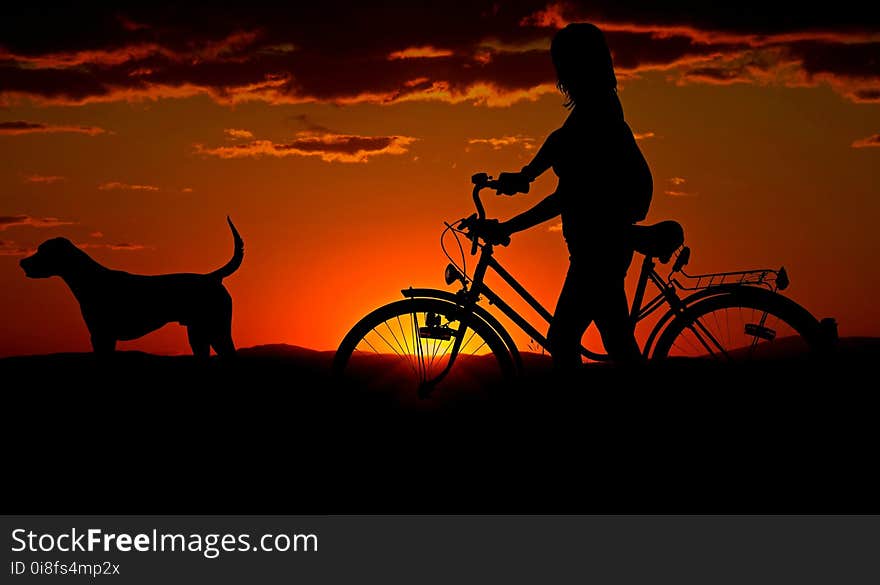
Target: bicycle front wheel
[743,324]
[407,344]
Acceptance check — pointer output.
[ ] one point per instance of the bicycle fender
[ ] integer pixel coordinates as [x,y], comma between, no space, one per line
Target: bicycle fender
[482,313]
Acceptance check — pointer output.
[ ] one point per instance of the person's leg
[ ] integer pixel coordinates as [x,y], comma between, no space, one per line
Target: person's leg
[570,319]
[611,313]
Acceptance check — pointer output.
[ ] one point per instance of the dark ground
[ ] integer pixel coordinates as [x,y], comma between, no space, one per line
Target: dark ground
[270,434]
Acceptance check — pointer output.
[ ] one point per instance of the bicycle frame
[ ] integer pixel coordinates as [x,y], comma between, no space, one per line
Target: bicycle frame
[469,296]
[473,288]
[666,295]
[685,302]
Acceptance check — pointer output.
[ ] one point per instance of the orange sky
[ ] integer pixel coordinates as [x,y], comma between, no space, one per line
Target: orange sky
[341,201]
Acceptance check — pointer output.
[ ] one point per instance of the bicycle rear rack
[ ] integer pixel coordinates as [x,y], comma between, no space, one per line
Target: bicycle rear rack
[774,280]
[766,277]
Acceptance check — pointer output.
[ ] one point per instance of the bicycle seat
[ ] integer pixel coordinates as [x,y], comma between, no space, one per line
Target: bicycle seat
[659,240]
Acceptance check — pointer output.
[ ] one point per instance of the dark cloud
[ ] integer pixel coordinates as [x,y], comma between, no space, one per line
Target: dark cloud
[845,59]
[872,141]
[19,127]
[480,51]
[8,221]
[716,75]
[866,95]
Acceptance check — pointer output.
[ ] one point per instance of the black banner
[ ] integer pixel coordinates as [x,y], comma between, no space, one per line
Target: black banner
[442,549]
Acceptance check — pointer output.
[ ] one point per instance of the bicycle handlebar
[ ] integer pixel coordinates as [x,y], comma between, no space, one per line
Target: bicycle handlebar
[481,181]
[481,211]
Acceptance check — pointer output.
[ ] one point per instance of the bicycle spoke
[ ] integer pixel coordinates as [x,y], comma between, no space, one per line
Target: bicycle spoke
[709,335]
[741,333]
[371,346]
[437,346]
[715,316]
[394,349]
[402,334]
[417,339]
[403,331]
[727,322]
[479,347]
[464,343]
[399,345]
[403,357]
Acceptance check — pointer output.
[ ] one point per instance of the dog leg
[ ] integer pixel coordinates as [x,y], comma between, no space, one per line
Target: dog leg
[221,332]
[198,341]
[223,345]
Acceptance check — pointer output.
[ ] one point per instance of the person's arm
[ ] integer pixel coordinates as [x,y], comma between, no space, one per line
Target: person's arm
[513,183]
[546,209]
[543,160]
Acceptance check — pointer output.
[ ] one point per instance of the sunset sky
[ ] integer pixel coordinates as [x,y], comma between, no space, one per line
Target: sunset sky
[339,137]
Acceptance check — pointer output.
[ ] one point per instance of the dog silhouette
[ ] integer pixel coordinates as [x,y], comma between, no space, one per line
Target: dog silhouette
[120,306]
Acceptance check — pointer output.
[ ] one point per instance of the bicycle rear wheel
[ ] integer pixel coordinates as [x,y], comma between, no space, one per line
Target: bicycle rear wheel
[400,347]
[744,324]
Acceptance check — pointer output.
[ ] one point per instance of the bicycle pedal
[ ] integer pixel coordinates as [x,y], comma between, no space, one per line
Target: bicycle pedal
[760,331]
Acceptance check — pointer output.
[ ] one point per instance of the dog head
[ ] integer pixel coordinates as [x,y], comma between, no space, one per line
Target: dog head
[52,258]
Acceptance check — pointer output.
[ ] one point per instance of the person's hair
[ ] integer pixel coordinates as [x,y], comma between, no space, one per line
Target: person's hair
[583,62]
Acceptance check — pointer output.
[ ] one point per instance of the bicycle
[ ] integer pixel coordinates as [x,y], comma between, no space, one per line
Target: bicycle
[728,316]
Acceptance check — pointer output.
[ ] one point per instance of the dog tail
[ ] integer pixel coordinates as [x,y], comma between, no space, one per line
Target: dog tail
[237,255]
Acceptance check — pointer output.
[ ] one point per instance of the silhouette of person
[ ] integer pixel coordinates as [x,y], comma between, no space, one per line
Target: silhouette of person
[604,187]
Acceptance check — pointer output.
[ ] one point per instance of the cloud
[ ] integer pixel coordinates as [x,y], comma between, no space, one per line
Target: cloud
[482,51]
[236,134]
[97,234]
[117,186]
[45,179]
[8,221]
[19,127]
[426,52]
[187,190]
[794,50]
[9,248]
[676,190]
[330,147]
[872,141]
[643,135]
[122,246]
[552,16]
[497,143]
[126,246]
